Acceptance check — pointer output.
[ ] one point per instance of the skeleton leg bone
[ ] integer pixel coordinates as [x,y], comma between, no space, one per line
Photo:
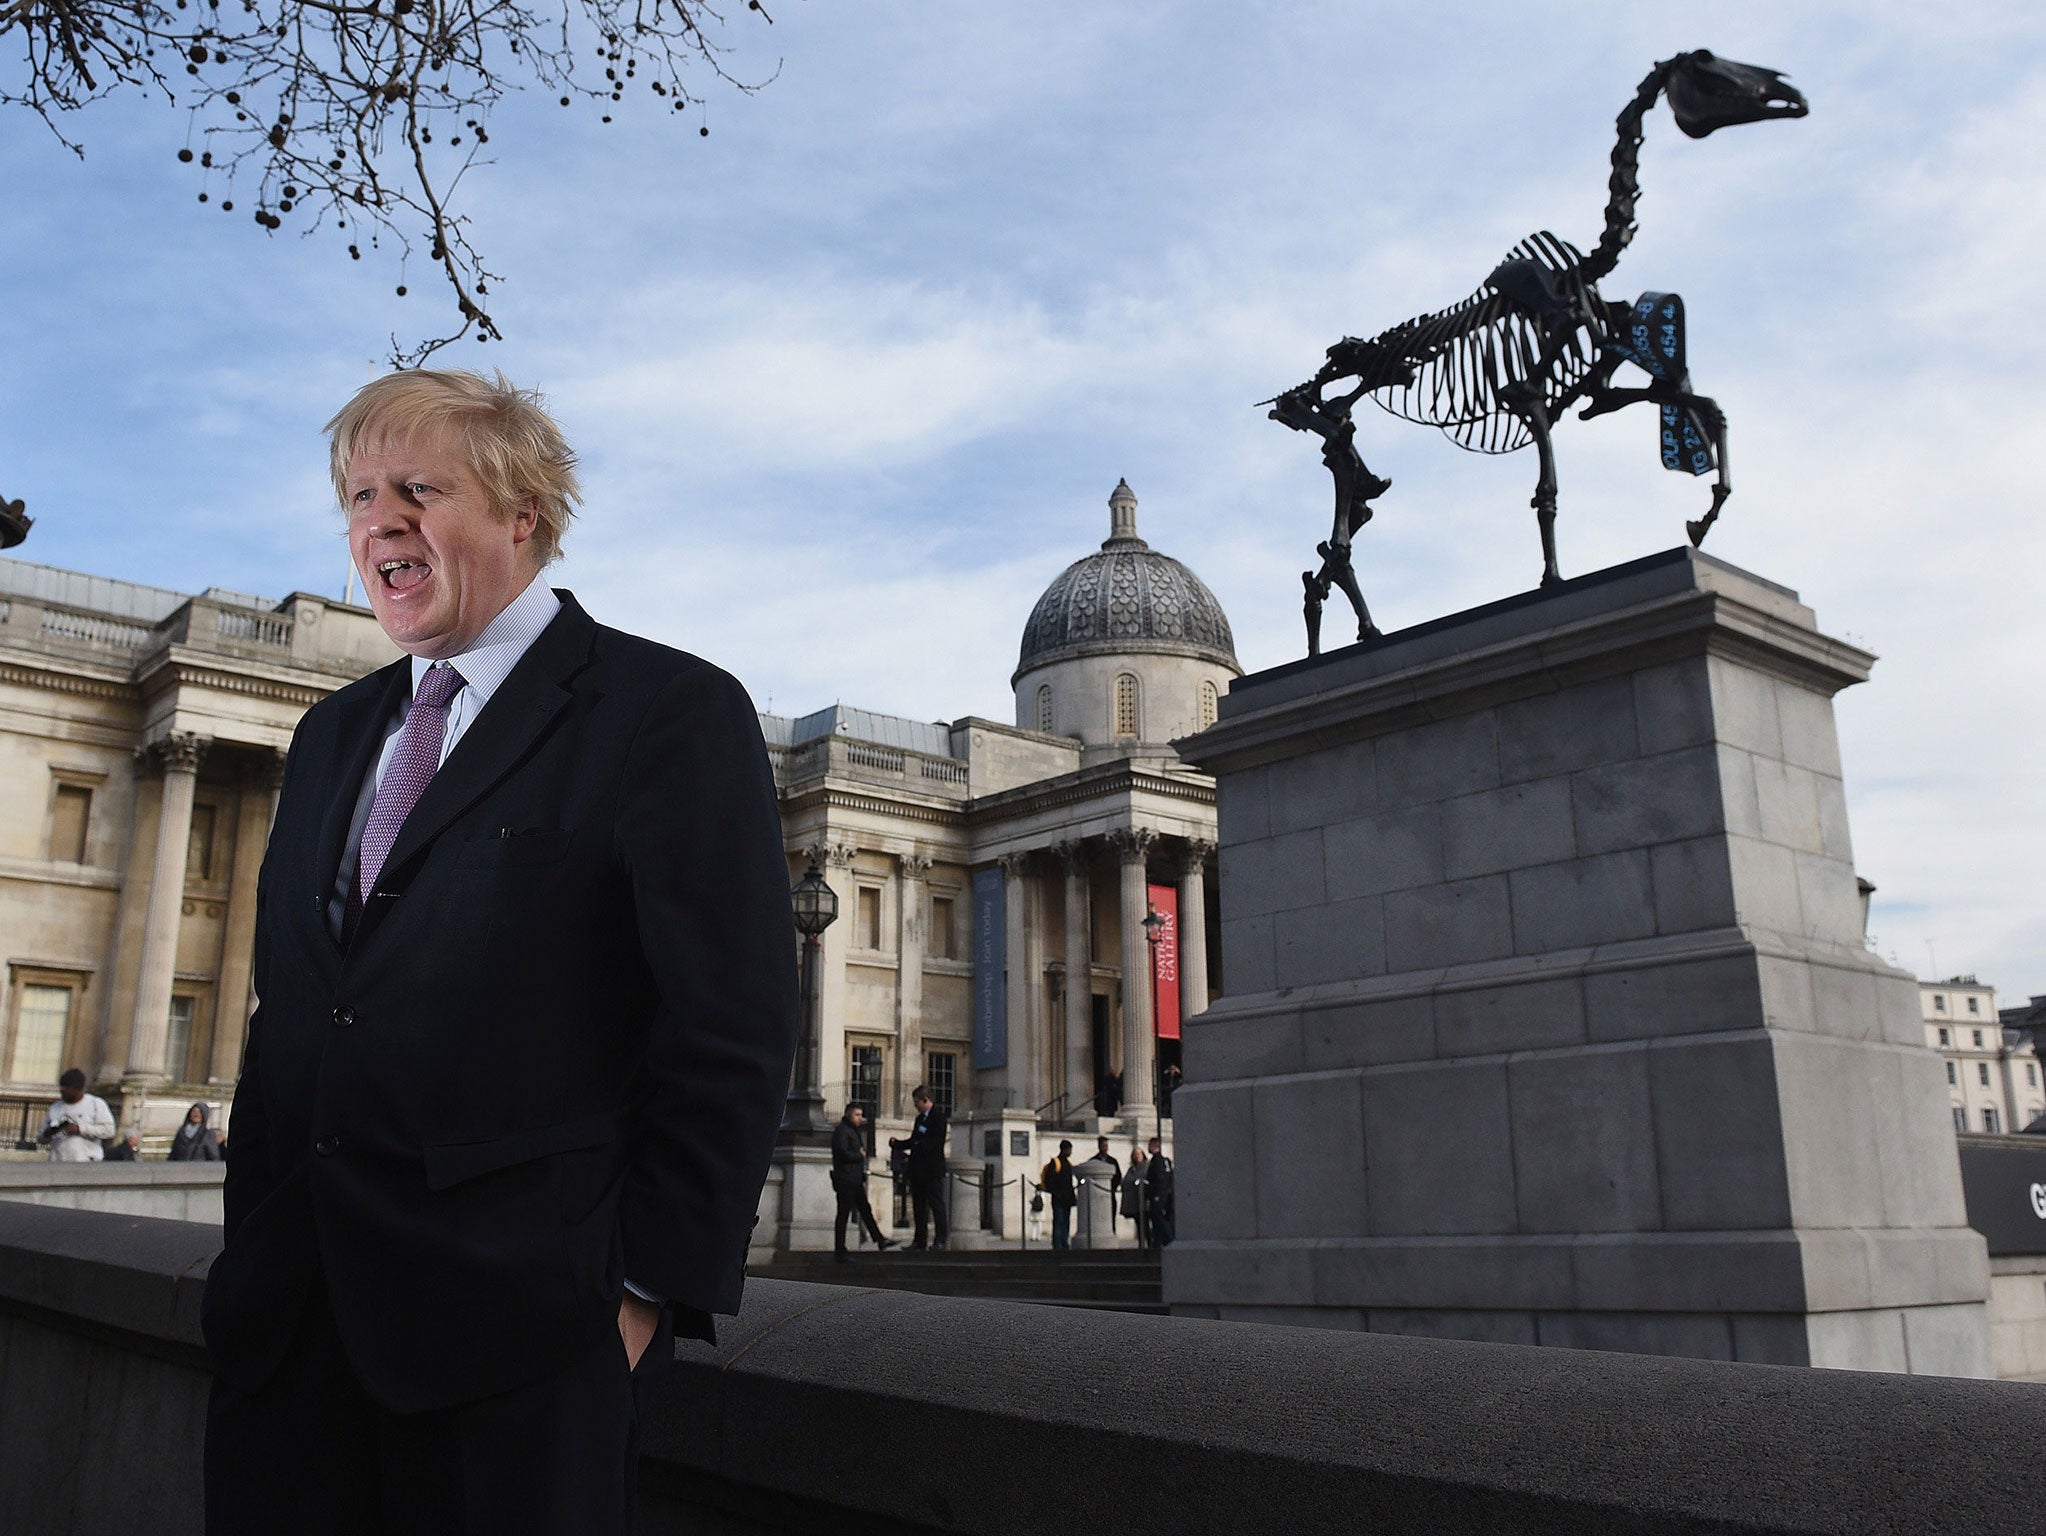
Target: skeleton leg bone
[1721,489]
[1526,402]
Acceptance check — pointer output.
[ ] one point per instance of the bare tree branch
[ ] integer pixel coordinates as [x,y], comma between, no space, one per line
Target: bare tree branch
[360,117]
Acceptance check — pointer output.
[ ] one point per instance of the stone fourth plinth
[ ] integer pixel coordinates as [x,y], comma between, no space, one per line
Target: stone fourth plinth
[1548,1016]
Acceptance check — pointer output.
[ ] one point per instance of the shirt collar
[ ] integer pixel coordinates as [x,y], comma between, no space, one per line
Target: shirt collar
[487,663]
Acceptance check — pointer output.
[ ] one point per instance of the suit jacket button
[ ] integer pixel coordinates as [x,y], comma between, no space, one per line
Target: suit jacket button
[327,1146]
[344,1017]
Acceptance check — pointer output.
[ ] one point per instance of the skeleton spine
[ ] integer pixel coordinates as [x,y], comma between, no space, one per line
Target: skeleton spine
[1625,183]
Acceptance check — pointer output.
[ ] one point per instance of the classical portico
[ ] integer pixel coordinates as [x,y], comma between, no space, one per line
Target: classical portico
[147,730]
[994,882]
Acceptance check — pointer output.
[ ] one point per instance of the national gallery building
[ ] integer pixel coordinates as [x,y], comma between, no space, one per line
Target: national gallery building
[1025,912]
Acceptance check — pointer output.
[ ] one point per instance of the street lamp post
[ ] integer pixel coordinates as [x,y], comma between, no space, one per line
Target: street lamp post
[1154,930]
[816,908]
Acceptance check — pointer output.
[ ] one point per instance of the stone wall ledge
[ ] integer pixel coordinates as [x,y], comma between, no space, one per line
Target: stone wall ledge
[45,1175]
[831,1407]
[1787,1271]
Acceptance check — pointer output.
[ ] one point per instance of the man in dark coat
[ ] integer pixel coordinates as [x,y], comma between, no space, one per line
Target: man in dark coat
[1059,1184]
[525,964]
[1158,1194]
[849,1182]
[925,1147]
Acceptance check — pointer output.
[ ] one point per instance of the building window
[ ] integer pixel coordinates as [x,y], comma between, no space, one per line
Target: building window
[1953,1076]
[1208,705]
[943,946]
[199,850]
[1989,1121]
[1978,1039]
[1960,1118]
[177,1043]
[1974,1005]
[1943,1034]
[941,1077]
[870,917]
[70,819]
[41,1023]
[864,1088]
[1044,708]
[2031,1074]
[1982,1068]
[1129,720]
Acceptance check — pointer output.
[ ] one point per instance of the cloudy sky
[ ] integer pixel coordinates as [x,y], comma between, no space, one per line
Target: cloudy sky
[854,374]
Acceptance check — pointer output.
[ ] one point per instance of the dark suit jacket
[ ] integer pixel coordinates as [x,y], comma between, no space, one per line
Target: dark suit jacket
[555,1052]
[927,1146]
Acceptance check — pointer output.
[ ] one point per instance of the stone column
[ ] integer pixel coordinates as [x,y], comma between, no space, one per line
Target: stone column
[233,997]
[1139,1046]
[178,758]
[913,921]
[1024,1047]
[1193,930]
[835,859]
[1079,1063]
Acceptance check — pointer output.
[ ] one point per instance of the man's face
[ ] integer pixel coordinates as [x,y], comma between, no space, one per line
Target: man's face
[1154,1146]
[921,1104]
[439,563]
[857,1118]
[70,1095]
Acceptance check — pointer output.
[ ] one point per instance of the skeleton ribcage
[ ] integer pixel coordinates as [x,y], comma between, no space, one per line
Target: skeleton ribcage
[1463,357]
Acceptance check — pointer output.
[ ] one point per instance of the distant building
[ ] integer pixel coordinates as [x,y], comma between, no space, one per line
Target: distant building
[142,734]
[1993,1070]
[2026,1024]
[993,878]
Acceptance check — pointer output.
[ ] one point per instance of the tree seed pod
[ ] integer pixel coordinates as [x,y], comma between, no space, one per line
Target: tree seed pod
[185,155]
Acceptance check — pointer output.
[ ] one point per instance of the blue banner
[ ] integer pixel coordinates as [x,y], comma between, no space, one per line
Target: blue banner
[990,970]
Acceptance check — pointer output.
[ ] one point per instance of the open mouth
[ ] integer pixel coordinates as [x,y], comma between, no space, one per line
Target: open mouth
[402,575]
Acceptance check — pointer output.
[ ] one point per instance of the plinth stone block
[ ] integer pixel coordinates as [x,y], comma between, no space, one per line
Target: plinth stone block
[1548,1016]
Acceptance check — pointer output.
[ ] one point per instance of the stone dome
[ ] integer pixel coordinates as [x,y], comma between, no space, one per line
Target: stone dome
[1123,599]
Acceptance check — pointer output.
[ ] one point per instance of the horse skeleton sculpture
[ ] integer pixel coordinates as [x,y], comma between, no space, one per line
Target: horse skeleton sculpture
[1496,371]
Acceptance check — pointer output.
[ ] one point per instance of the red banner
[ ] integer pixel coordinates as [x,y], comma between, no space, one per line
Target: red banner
[1165,963]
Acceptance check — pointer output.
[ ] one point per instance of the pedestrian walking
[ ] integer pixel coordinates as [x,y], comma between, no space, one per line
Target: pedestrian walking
[1059,1184]
[1133,1196]
[849,1182]
[1158,1194]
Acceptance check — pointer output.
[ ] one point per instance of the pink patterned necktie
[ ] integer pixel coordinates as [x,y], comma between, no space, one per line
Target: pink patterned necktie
[412,766]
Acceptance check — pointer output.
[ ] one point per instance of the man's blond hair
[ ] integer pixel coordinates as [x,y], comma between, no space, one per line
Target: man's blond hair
[510,441]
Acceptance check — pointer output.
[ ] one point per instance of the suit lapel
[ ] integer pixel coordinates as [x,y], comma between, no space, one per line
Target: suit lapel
[499,737]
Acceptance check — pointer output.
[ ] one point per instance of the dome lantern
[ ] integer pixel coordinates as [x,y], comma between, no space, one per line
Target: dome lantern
[1122,517]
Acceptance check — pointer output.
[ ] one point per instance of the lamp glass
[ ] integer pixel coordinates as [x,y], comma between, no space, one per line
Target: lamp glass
[816,904]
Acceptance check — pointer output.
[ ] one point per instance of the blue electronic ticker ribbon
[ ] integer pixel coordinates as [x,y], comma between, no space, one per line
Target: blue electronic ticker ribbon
[1653,341]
